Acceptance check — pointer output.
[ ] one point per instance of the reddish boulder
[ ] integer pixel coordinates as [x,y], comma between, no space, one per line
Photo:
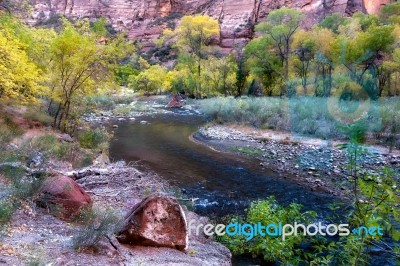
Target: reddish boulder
[156,221]
[63,197]
[176,102]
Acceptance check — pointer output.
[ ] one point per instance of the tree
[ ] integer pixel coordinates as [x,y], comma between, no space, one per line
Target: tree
[80,66]
[20,78]
[220,74]
[305,48]
[365,53]
[326,57]
[333,22]
[242,71]
[195,34]
[263,64]
[281,25]
[151,80]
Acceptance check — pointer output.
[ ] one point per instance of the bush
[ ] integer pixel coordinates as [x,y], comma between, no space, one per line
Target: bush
[22,187]
[106,102]
[123,110]
[39,116]
[6,211]
[96,224]
[8,129]
[51,147]
[272,249]
[95,139]
[312,116]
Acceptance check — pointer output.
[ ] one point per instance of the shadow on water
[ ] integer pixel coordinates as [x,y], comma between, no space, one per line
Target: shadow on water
[224,183]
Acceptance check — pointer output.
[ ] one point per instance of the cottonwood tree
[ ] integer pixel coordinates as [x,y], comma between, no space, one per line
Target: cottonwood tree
[326,57]
[194,36]
[22,76]
[365,53]
[263,65]
[150,81]
[333,22]
[80,66]
[304,47]
[220,75]
[281,25]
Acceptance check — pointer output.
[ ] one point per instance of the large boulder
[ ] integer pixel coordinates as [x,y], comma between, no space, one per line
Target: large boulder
[176,102]
[63,197]
[156,221]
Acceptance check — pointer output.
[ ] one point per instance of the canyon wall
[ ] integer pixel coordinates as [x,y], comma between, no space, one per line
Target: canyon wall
[146,19]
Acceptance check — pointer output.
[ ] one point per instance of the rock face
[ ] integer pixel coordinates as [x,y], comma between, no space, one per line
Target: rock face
[63,197]
[156,221]
[146,19]
[374,6]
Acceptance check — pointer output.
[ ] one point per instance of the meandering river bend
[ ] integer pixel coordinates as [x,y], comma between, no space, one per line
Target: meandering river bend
[224,183]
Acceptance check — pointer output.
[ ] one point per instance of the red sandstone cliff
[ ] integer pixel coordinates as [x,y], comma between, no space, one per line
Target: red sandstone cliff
[146,19]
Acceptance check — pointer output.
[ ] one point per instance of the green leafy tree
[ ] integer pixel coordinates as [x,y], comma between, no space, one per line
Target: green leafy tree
[364,53]
[281,25]
[333,22]
[264,65]
[304,47]
[80,66]
[220,74]
[151,80]
[326,58]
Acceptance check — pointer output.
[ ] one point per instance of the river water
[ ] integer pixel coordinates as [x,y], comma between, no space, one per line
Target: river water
[223,183]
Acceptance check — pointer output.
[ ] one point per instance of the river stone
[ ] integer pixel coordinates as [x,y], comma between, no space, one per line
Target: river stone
[156,221]
[176,102]
[63,197]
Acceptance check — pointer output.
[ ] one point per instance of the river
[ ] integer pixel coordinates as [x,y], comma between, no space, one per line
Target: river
[224,183]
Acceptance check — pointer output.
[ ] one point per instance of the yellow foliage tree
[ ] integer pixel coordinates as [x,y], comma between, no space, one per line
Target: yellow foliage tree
[20,78]
[79,67]
[195,34]
[150,80]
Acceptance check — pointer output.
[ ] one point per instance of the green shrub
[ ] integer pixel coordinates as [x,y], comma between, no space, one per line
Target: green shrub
[12,126]
[106,102]
[123,110]
[22,187]
[8,129]
[103,102]
[96,224]
[6,210]
[94,139]
[311,116]
[272,249]
[39,116]
[5,136]
[52,148]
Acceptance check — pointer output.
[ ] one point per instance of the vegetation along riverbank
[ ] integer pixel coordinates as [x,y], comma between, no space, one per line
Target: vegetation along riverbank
[299,102]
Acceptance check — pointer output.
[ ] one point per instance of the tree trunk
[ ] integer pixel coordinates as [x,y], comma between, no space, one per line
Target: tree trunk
[56,115]
[199,81]
[283,88]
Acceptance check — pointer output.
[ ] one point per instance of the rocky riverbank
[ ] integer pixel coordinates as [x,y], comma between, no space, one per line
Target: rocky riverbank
[314,163]
[37,235]
[34,236]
